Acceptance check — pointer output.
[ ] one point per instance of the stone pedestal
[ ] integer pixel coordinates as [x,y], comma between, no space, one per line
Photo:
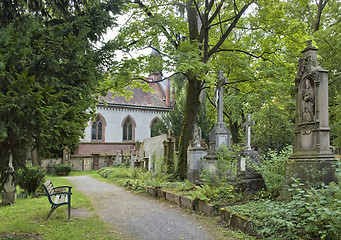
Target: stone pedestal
[249,159]
[312,169]
[211,163]
[249,180]
[169,150]
[219,136]
[312,159]
[194,163]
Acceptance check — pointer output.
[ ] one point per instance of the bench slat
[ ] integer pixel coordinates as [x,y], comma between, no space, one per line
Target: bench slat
[62,198]
[50,189]
[56,199]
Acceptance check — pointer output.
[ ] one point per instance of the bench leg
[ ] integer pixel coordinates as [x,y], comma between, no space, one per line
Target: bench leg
[52,209]
[69,209]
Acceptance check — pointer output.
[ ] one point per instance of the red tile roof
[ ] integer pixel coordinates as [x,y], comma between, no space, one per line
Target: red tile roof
[140,98]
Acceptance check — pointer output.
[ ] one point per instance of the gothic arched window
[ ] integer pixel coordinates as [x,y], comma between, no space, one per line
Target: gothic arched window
[128,127]
[127,130]
[154,130]
[97,129]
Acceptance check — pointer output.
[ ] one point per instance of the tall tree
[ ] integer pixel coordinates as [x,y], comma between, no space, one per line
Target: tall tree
[50,69]
[192,37]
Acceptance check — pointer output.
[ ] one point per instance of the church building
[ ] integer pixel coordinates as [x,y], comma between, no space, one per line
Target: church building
[120,123]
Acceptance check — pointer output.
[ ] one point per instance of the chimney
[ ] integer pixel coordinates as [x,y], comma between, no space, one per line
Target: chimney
[168,98]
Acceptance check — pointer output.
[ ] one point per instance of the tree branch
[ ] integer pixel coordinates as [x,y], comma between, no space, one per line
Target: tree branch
[250,54]
[220,22]
[163,28]
[310,15]
[216,12]
[229,30]
[157,81]
[337,22]
[198,11]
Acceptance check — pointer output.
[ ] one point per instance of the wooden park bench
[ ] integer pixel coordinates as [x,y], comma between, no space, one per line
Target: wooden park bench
[57,196]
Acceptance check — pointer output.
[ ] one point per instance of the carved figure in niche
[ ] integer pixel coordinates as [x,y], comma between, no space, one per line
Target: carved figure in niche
[308,102]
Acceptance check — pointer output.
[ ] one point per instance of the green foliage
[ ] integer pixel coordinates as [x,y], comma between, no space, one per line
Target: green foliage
[225,193]
[62,169]
[204,193]
[311,214]
[30,179]
[272,168]
[274,126]
[104,172]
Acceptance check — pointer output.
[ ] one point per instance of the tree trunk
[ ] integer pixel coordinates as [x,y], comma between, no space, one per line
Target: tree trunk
[190,118]
[36,160]
[234,132]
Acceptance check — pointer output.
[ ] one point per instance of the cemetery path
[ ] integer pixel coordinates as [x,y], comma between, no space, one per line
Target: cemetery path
[139,217]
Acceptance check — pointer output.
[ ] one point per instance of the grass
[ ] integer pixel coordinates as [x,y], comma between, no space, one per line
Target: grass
[25,219]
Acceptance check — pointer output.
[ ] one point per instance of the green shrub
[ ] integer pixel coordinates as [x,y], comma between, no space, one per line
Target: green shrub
[120,172]
[273,169]
[104,172]
[62,169]
[310,214]
[30,179]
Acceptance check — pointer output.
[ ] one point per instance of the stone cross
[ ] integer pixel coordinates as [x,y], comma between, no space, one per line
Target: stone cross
[247,124]
[220,92]
[278,145]
[219,135]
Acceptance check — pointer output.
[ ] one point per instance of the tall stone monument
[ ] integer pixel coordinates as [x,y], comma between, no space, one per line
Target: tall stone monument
[219,135]
[312,158]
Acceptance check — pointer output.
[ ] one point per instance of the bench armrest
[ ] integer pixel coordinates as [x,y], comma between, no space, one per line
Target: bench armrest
[59,193]
[69,187]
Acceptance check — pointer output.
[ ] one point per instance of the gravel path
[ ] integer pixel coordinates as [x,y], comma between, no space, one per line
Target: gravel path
[137,216]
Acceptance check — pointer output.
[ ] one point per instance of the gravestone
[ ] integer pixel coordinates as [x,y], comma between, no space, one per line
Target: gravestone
[249,179]
[9,194]
[312,158]
[219,135]
[195,152]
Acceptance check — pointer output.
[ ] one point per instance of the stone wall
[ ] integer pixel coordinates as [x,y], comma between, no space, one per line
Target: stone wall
[48,163]
[151,150]
[103,148]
